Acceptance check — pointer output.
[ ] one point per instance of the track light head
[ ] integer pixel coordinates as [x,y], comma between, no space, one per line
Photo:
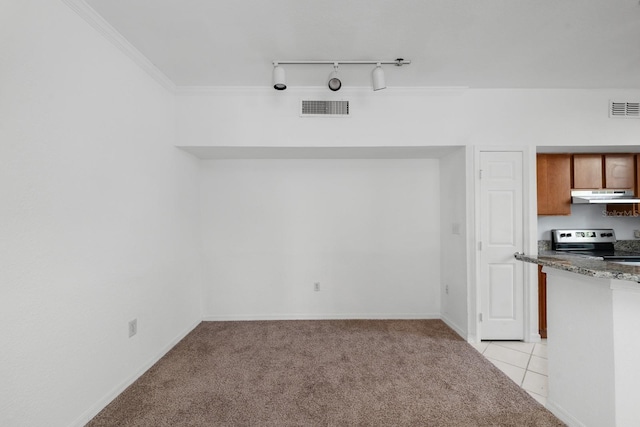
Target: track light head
[334,82]
[377,75]
[279,80]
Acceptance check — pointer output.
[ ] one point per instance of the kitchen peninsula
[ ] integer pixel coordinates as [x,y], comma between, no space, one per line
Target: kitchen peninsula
[593,316]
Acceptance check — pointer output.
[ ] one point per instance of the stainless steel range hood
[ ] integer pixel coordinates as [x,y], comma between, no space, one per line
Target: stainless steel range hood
[603,196]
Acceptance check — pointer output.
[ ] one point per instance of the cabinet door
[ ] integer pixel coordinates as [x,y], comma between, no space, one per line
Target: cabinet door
[554,184]
[587,171]
[637,193]
[628,210]
[620,171]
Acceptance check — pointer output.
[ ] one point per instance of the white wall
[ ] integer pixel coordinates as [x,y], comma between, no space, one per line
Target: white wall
[453,244]
[414,117]
[264,117]
[98,218]
[406,117]
[367,230]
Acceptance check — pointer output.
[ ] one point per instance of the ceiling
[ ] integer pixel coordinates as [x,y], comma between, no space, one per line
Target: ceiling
[472,43]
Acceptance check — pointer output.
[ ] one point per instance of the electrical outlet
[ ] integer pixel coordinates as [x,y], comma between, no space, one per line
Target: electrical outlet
[316,286]
[133,327]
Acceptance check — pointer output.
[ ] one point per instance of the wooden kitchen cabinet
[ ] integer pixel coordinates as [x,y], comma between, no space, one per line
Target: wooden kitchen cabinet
[542,303]
[608,171]
[588,171]
[637,188]
[554,184]
[629,210]
[620,171]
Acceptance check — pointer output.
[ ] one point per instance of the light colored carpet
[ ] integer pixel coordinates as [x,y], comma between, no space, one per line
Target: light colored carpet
[324,373]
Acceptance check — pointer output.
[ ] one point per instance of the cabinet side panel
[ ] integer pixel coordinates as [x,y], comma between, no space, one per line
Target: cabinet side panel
[542,169]
[554,184]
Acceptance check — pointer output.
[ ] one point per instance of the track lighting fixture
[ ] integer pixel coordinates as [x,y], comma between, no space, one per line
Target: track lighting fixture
[279,81]
[377,75]
[334,82]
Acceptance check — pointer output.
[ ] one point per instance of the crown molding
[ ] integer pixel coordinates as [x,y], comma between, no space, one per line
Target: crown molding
[94,19]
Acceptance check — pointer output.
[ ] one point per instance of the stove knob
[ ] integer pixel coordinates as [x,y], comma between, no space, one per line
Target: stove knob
[568,234]
[563,234]
[609,234]
[603,234]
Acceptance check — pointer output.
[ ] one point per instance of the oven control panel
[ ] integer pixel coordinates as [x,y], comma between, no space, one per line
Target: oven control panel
[584,235]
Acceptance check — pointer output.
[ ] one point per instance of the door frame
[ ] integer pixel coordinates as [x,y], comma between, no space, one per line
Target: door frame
[530,242]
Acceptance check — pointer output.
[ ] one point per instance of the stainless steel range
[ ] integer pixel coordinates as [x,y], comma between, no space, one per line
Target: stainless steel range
[597,243]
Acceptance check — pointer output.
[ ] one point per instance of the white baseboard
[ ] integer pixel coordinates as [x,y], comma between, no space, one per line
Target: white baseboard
[563,415]
[534,338]
[102,403]
[457,329]
[306,316]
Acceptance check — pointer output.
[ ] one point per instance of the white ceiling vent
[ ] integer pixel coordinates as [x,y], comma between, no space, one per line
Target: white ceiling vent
[324,108]
[624,110]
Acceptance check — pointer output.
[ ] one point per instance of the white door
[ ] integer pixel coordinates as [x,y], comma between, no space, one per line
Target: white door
[501,235]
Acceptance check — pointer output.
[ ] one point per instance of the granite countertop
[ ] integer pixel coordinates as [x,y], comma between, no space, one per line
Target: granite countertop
[583,265]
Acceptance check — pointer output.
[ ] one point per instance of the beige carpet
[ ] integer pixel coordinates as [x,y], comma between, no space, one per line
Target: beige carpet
[324,373]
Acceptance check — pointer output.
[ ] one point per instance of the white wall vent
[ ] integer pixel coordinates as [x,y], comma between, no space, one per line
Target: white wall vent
[324,108]
[624,110]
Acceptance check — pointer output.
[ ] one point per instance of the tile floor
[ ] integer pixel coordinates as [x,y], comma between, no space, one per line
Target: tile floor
[525,363]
